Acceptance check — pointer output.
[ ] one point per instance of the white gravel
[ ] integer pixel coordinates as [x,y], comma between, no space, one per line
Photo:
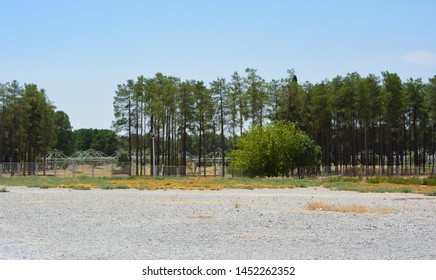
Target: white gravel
[227,224]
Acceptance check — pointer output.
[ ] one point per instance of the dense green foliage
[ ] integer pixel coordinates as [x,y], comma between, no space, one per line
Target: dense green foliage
[65,138]
[103,140]
[29,125]
[274,150]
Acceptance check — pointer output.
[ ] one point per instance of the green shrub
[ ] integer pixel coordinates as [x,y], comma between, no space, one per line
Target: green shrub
[273,150]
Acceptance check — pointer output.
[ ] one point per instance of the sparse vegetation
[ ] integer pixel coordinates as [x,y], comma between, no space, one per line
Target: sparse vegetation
[431,193]
[185,183]
[381,188]
[378,185]
[429,181]
[382,184]
[341,179]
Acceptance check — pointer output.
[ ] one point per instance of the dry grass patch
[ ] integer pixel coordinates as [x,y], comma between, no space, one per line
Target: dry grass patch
[353,208]
[73,186]
[383,185]
[199,183]
[397,188]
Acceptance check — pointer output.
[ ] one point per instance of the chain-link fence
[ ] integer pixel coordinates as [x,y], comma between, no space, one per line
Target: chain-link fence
[127,169]
[107,170]
[53,169]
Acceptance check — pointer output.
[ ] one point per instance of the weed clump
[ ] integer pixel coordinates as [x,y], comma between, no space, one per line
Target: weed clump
[81,188]
[121,187]
[404,190]
[431,193]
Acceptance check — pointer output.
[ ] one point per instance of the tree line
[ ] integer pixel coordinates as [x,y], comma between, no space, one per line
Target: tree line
[29,124]
[30,127]
[373,122]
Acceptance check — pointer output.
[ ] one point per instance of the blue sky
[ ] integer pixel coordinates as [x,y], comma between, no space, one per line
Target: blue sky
[80,50]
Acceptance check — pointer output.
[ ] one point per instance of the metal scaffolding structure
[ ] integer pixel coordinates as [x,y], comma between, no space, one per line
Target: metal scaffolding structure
[89,157]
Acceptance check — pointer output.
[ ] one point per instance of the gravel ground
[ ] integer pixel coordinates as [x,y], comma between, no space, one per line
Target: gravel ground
[226,224]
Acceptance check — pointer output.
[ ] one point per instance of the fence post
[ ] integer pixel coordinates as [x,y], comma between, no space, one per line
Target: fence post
[1,169]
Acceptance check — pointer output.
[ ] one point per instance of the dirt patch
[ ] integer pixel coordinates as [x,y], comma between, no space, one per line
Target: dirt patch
[353,208]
